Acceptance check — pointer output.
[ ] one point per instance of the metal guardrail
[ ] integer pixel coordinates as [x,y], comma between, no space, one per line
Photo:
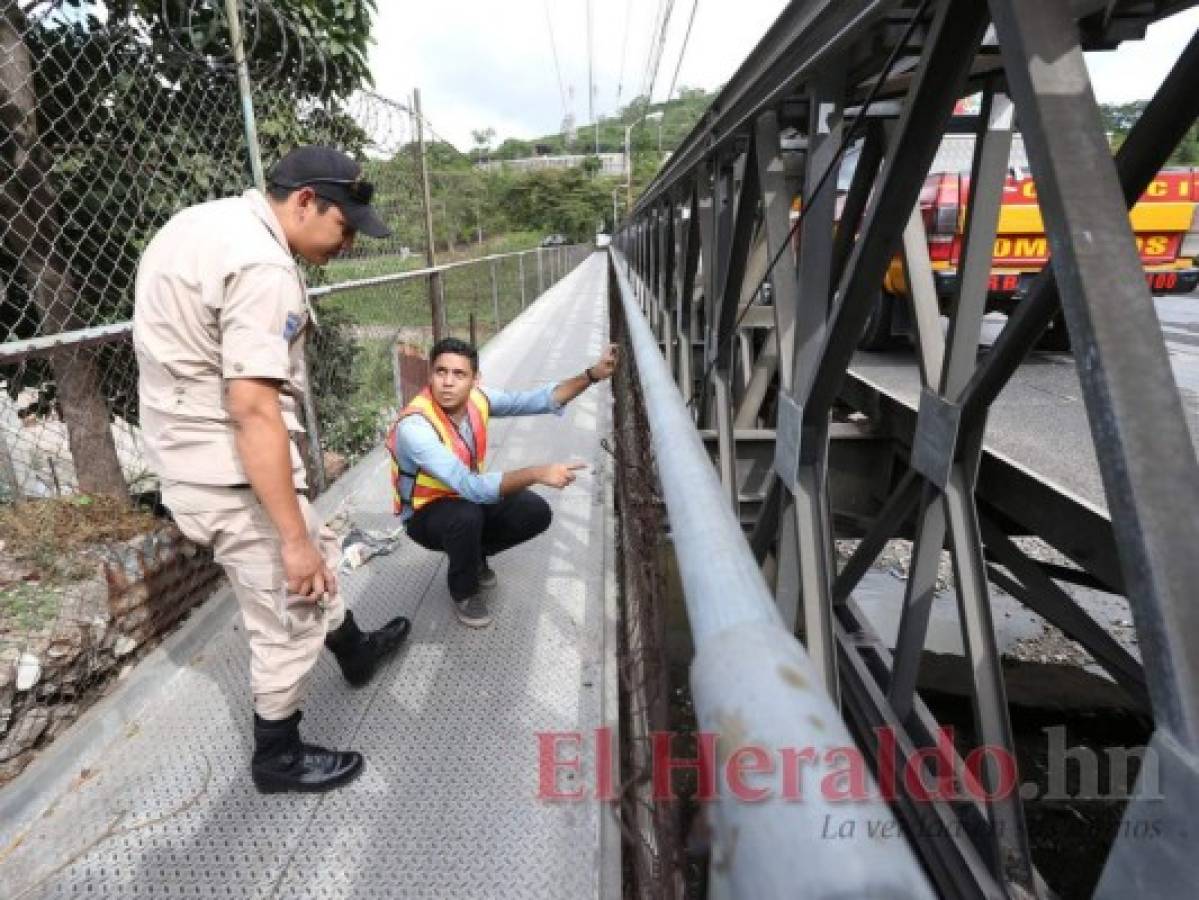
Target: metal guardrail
[716,225]
[16,351]
[508,292]
[555,257]
[753,685]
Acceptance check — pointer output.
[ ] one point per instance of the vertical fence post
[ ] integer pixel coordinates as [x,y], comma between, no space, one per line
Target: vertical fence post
[436,293]
[245,90]
[10,486]
[540,275]
[247,97]
[520,260]
[495,297]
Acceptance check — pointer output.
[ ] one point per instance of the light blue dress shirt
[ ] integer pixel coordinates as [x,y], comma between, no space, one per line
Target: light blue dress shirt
[418,446]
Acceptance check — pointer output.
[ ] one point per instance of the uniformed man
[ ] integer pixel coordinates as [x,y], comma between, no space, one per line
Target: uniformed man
[438,446]
[219,324]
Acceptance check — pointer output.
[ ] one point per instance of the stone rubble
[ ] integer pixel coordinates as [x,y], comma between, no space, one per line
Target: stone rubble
[138,591]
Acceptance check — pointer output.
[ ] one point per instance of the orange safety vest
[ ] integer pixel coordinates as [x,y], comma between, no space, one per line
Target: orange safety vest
[425,488]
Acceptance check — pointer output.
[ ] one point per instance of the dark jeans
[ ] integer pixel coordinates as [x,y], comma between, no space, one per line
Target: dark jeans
[467,532]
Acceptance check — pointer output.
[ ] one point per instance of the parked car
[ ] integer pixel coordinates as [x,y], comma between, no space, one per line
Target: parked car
[554,240]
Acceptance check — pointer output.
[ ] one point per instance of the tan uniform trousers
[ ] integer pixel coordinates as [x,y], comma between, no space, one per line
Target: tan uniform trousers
[286,632]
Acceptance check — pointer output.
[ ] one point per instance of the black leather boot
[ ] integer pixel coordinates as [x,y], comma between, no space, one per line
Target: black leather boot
[282,762]
[359,652]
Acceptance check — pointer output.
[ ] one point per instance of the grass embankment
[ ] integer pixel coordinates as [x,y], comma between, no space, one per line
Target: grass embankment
[406,303]
[41,544]
[352,359]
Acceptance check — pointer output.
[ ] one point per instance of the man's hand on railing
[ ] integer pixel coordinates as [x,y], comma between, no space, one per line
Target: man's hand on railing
[607,363]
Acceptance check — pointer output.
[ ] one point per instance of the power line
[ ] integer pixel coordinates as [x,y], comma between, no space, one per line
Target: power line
[591,79]
[661,47]
[624,46]
[655,29]
[683,51]
[554,49]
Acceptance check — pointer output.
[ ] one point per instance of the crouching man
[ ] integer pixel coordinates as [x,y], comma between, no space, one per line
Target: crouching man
[448,503]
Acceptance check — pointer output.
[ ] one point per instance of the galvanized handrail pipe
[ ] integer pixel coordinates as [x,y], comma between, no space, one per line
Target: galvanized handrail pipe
[397,277]
[16,351]
[754,686]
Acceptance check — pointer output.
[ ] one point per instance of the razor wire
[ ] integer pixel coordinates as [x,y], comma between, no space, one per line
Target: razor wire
[116,116]
[117,121]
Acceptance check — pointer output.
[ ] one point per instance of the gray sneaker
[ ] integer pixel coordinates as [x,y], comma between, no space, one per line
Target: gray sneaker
[487,579]
[473,611]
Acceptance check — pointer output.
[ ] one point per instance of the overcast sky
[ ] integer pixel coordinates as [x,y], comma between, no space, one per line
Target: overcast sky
[487,64]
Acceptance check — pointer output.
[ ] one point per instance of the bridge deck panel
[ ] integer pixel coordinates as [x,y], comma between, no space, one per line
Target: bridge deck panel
[447,806]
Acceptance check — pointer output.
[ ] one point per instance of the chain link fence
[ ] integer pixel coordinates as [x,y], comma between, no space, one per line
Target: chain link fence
[665,845]
[377,329]
[114,118]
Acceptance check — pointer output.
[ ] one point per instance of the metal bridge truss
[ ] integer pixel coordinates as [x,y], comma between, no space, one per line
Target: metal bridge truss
[766,373]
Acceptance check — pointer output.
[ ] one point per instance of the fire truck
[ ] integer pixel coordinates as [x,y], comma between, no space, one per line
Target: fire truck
[1165,222]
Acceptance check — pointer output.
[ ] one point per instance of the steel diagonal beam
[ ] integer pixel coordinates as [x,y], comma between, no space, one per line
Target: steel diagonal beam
[918,273]
[955,863]
[766,528]
[776,213]
[758,371]
[677,259]
[1034,588]
[706,195]
[1146,456]
[724,191]
[725,252]
[955,35]
[777,194]
[806,546]
[861,184]
[1144,152]
[666,310]
[741,219]
[885,526]
[956,30]
[826,103]
[654,282]
[689,319]
[988,174]
[949,371]
[949,462]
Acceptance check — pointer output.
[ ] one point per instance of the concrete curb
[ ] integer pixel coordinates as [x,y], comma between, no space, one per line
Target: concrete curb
[49,776]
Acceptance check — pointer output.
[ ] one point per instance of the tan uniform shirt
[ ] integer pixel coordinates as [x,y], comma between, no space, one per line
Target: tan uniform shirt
[218,296]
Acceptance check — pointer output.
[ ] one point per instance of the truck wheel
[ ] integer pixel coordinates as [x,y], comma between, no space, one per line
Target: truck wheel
[1056,337]
[877,333]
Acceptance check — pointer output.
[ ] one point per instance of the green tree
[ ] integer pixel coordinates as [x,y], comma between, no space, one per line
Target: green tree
[102,108]
[1118,119]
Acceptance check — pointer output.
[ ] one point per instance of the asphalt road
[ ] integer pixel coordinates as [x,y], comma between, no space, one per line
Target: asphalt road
[1039,420]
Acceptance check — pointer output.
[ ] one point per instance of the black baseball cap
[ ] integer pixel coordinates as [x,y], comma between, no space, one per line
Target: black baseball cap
[335,177]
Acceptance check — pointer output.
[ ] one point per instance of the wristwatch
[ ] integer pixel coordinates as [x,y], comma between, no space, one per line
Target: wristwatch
[590,377]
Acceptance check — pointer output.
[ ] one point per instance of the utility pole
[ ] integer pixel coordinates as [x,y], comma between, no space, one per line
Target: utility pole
[243,89]
[591,81]
[628,169]
[436,301]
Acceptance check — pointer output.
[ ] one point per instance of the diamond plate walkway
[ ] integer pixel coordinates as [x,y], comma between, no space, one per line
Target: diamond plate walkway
[447,805]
